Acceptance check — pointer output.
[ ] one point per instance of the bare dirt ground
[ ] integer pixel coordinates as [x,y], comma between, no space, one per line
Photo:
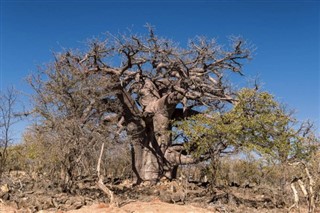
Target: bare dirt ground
[155,206]
[20,193]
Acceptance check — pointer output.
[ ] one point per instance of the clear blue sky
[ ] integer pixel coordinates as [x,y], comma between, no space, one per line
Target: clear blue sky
[285,33]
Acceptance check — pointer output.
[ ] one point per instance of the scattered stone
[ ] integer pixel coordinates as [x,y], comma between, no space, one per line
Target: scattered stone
[178,197]
[4,188]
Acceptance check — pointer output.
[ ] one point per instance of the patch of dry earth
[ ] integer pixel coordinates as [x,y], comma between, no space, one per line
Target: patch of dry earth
[155,206]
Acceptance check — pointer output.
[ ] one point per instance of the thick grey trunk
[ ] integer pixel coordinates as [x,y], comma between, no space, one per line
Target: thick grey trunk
[155,158]
[151,167]
[149,163]
[154,166]
[136,161]
[145,163]
[153,155]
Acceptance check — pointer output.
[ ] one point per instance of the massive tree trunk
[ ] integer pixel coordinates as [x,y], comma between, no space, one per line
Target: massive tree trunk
[153,155]
[149,162]
[146,163]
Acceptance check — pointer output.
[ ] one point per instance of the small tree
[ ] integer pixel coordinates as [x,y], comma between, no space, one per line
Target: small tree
[257,123]
[8,117]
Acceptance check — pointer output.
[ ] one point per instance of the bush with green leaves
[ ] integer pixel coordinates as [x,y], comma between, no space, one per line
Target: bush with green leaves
[256,124]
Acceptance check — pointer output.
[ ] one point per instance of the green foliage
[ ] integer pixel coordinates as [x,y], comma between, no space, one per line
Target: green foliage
[256,123]
[16,158]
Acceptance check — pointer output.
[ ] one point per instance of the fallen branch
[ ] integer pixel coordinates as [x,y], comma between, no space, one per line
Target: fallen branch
[100,183]
[311,196]
[309,192]
[295,196]
[303,188]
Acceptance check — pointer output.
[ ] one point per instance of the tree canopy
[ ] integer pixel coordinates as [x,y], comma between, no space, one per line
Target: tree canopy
[257,123]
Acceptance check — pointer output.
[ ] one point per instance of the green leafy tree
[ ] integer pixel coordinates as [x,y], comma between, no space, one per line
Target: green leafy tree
[256,123]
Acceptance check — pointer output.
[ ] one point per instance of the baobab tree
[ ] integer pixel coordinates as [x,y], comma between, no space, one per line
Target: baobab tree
[137,83]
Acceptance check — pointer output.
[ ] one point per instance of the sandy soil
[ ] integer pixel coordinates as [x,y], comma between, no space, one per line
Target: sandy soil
[155,206]
[142,207]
